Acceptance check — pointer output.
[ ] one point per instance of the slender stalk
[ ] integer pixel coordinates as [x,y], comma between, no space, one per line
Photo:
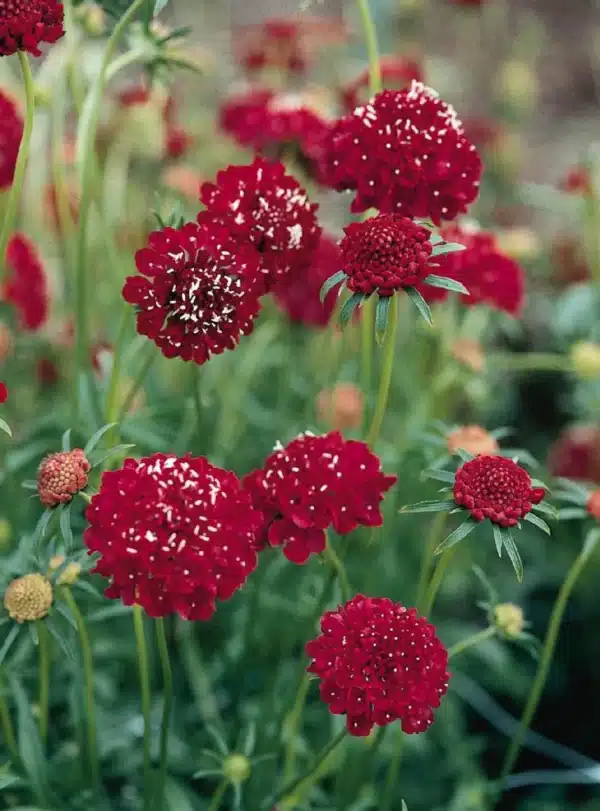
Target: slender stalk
[8,730]
[88,677]
[293,725]
[340,570]
[138,382]
[17,184]
[112,397]
[471,641]
[389,346]
[544,662]
[142,651]
[372,46]
[392,775]
[44,678]
[433,540]
[436,580]
[367,327]
[218,795]
[163,652]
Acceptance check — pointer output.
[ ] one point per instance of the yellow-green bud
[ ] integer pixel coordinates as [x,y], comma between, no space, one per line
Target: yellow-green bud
[237,768]
[509,619]
[585,359]
[28,598]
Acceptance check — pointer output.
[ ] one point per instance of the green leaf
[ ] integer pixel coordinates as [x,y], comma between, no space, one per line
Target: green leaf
[4,426]
[29,484]
[548,509]
[202,773]
[99,457]
[513,554]
[65,527]
[459,533]
[447,247]
[403,807]
[427,507]
[540,483]
[249,741]
[88,588]
[177,797]
[436,238]
[7,780]
[498,539]
[218,738]
[42,526]
[538,522]
[522,456]
[30,744]
[420,303]
[66,440]
[8,642]
[330,283]
[382,311]
[439,475]
[353,302]
[446,284]
[95,439]
[464,455]
[65,611]
[490,591]
[57,632]
[591,539]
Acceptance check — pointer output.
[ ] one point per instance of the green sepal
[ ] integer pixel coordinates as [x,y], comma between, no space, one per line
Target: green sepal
[348,309]
[538,522]
[4,426]
[65,442]
[95,439]
[445,283]
[420,303]
[513,553]
[455,537]
[447,247]
[439,475]
[498,538]
[330,283]
[571,513]
[382,311]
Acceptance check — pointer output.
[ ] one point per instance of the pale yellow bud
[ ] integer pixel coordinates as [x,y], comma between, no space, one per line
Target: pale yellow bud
[509,619]
[585,359]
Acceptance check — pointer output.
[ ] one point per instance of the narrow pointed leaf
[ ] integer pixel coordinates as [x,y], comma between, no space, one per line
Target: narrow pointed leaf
[29,484]
[4,426]
[498,539]
[420,303]
[447,247]
[249,741]
[88,588]
[577,489]
[348,309]
[540,483]
[66,440]
[502,433]
[382,311]
[42,526]
[572,513]
[30,745]
[65,611]
[513,554]
[218,738]
[445,283]
[330,283]
[538,522]
[464,455]
[435,239]
[427,507]
[439,475]
[99,457]
[59,635]
[490,591]
[547,509]
[65,527]
[95,439]
[8,642]
[455,537]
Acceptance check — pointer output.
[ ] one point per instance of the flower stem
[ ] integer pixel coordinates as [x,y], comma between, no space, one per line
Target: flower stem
[366,344]
[88,676]
[112,397]
[389,346]
[163,652]
[393,772]
[436,580]
[44,678]
[17,184]
[340,570]
[138,621]
[471,641]
[218,795]
[372,46]
[7,728]
[544,662]
[435,536]
[138,382]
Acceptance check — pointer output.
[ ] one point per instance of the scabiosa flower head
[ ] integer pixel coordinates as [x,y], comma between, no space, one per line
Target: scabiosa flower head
[198,292]
[299,293]
[263,205]
[174,534]
[26,23]
[341,407]
[379,662]
[496,488]
[61,476]
[472,438]
[404,152]
[3,392]
[384,254]
[397,72]
[11,132]
[313,483]
[29,598]
[25,287]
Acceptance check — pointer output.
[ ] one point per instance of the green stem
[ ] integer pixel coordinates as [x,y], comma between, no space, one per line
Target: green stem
[17,184]
[293,724]
[436,580]
[389,346]
[142,651]
[112,397]
[44,678]
[218,795]
[372,46]
[163,652]
[138,382]
[530,361]
[393,773]
[433,540]
[340,570]
[88,677]
[544,662]
[7,729]
[367,328]
[471,641]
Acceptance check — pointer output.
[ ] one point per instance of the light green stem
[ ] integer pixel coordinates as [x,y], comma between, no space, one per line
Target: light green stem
[340,570]
[306,779]
[163,652]
[7,729]
[138,382]
[436,580]
[389,346]
[293,723]
[372,46]
[393,772]
[471,641]
[142,651]
[367,329]
[44,678]
[17,184]
[218,795]
[435,536]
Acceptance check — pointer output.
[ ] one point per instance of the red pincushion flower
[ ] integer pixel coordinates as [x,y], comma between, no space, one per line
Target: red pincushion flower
[11,132]
[299,294]
[404,152]
[263,205]
[25,287]
[198,293]
[576,454]
[61,476]
[491,277]
[26,23]
[275,43]
[385,253]
[174,534]
[313,483]
[497,488]
[3,393]
[396,73]
[379,662]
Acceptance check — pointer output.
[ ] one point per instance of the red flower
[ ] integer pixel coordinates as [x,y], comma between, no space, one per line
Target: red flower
[576,454]
[174,535]
[313,483]
[61,476]
[577,181]
[491,277]
[298,294]
[11,132]
[26,287]
[26,23]
[3,393]
[379,662]
[198,293]
[275,43]
[259,203]
[397,72]
[593,504]
[497,488]
[384,254]
[404,152]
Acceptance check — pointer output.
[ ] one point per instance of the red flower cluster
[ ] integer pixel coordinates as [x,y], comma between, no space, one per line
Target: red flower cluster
[384,254]
[397,72]
[490,276]
[199,291]
[26,287]
[274,44]
[61,476]
[174,535]
[11,132]
[263,205]
[298,294]
[313,483]
[3,393]
[404,152]
[497,488]
[26,23]
[379,662]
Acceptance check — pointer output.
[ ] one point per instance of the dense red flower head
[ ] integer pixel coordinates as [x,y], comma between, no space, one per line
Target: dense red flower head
[397,72]
[576,454]
[379,662]
[404,152]
[174,534]
[198,293]
[298,294]
[3,393]
[61,476]
[26,23]
[276,43]
[26,287]
[384,254]
[491,277]
[11,132]
[313,483]
[263,205]
[497,488]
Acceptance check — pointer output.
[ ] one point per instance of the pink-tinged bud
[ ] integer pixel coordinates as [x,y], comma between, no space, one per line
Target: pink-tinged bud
[61,476]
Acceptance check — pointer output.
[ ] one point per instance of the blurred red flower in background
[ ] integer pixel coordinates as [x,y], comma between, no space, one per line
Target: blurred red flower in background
[11,132]
[26,286]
